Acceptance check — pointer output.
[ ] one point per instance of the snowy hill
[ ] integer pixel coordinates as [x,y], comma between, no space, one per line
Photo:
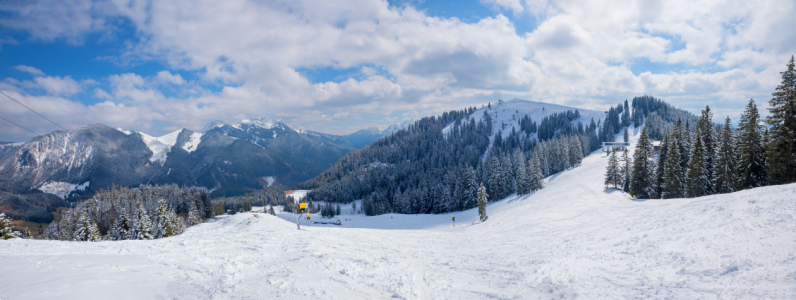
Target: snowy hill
[570,240]
[507,114]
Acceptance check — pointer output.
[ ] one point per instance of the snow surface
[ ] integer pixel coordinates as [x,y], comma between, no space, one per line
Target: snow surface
[261,122]
[572,239]
[297,194]
[160,146]
[193,142]
[270,180]
[127,132]
[62,189]
[11,145]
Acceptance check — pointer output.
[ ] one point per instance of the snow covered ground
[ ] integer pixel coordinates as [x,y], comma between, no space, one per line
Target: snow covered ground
[62,189]
[570,240]
[161,146]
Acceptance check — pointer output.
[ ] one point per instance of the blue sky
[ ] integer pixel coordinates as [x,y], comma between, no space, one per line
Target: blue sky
[341,66]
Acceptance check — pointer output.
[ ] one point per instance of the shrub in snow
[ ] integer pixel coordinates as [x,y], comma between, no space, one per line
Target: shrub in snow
[5,228]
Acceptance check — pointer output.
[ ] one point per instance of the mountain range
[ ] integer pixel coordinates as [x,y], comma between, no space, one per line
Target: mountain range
[226,159]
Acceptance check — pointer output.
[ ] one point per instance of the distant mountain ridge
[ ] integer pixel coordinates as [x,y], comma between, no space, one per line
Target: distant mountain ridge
[367,136]
[228,158]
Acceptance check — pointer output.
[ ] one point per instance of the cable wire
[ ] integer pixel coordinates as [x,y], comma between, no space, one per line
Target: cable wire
[20,103]
[46,98]
[28,130]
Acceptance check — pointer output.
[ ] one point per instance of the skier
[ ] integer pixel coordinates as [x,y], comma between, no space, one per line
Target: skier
[453,218]
[308,219]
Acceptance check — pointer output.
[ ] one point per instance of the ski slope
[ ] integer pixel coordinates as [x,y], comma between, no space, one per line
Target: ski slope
[570,240]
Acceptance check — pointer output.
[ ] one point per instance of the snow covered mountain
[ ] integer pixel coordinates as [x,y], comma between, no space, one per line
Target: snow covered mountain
[571,240]
[95,155]
[366,136]
[8,147]
[231,157]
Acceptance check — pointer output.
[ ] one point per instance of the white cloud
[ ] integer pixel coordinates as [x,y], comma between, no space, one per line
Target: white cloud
[57,85]
[167,77]
[30,70]
[49,20]
[579,53]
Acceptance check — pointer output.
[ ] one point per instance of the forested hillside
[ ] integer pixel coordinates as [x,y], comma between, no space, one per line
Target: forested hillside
[437,164]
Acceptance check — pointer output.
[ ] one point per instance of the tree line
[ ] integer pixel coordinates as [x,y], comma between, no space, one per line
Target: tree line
[714,159]
[140,213]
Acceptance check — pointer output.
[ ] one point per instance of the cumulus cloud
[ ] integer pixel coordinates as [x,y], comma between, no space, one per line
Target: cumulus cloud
[166,77]
[57,85]
[250,53]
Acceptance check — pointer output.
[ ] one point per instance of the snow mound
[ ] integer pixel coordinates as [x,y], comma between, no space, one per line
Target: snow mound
[193,142]
[160,146]
[62,189]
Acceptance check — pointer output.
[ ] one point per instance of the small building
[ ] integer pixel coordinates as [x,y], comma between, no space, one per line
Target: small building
[618,146]
[656,146]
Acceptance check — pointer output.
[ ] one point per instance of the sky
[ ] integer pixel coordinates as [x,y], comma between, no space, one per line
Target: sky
[340,66]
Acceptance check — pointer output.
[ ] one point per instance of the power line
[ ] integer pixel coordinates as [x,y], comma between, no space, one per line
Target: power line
[98,163]
[51,102]
[28,130]
[20,103]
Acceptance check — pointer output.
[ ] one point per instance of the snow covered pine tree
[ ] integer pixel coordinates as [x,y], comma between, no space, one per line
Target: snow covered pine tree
[482,200]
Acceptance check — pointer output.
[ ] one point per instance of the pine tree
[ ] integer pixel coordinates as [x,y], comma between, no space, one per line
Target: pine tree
[626,171]
[612,173]
[164,225]
[751,159]
[121,230]
[536,177]
[705,127]
[672,186]
[495,178]
[682,136]
[781,150]
[574,150]
[626,135]
[522,180]
[725,177]
[482,200]
[696,180]
[143,227]
[660,163]
[507,180]
[642,183]
[80,232]
[5,228]
[247,205]
[193,215]
[92,231]
[626,118]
